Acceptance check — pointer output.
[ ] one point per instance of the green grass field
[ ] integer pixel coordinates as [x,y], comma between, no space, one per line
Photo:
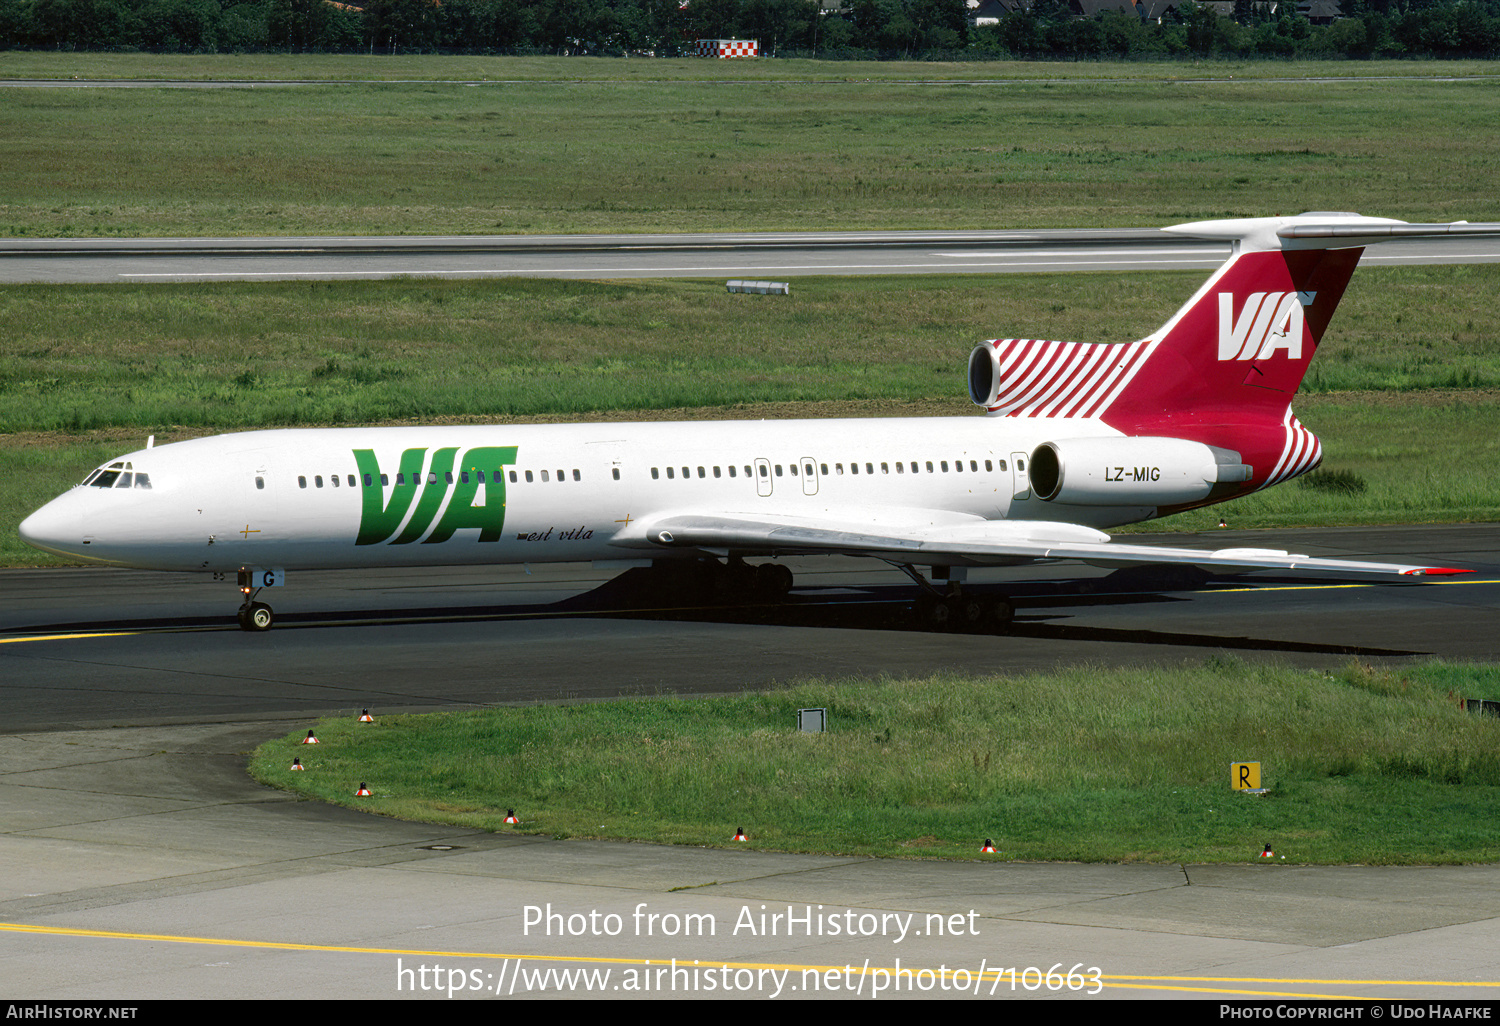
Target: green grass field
[1078,145]
[1363,766]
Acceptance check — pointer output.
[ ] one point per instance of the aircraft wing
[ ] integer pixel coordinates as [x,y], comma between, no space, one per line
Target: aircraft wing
[977,542]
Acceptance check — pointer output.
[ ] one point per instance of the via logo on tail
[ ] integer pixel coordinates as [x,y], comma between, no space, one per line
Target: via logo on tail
[1267,322]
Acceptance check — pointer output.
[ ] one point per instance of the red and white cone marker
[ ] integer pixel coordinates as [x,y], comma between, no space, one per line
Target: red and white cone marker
[365,717]
[739,834]
[297,764]
[310,739]
[364,790]
[510,816]
[988,848]
[1268,853]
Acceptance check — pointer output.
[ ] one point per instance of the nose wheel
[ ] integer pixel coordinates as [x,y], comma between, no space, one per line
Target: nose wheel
[254,616]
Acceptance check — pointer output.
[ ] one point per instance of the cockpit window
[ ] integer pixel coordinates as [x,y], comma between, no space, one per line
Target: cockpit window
[118,475]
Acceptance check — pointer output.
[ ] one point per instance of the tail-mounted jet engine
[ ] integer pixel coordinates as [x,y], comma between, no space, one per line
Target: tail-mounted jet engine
[1133,471]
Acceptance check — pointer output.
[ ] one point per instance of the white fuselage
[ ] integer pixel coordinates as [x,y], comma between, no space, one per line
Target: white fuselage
[367,497]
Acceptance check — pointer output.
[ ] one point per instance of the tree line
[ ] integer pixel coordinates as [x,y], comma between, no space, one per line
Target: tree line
[862,29]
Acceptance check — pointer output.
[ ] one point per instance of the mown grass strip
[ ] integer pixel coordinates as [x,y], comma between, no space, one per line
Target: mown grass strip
[1364,765]
[609,156]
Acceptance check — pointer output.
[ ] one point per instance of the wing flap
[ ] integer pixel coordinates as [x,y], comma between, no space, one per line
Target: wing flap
[980,543]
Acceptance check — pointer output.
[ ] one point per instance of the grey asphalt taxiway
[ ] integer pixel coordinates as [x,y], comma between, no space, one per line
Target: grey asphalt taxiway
[139,861]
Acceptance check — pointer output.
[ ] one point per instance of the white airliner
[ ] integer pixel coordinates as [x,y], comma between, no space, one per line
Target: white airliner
[1077,438]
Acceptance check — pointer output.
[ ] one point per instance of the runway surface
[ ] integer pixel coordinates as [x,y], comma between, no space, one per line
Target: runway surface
[754,255]
[139,861]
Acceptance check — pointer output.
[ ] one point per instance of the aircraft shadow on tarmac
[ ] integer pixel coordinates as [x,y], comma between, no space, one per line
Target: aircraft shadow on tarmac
[638,594]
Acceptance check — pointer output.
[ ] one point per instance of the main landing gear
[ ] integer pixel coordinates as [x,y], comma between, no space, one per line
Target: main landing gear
[732,581]
[952,610]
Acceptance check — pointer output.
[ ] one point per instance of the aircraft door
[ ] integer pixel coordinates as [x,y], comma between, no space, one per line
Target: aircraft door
[809,476]
[762,477]
[1022,475]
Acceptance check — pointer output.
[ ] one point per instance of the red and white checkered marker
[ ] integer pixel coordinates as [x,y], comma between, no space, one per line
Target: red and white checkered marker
[989,847]
[365,717]
[510,816]
[1268,853]
[297,764]
[364,790]
[739,834]
[725,48]
[310,739]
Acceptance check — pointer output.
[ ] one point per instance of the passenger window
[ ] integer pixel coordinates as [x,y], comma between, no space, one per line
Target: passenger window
[351,480]
[870,468]
[561,476]
[838,468]
[528,477]
[335,479]
[654,474]
[617,473]
[512,477]
[701,473]
[778,470]
[884,469]
[448,477]
[463,476]
[385,479]
[260,483]
[685,473]
[929,467]
[974,466]
[900,467]
[577,476]
[301,481]
[1003,466]
[716,472]
[318,480]
[671,474]
[944,466]
[544,475]
[793,469]
[731,470]
[825,469]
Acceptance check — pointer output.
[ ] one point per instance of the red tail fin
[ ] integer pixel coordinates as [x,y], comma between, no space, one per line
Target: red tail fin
[1237,350]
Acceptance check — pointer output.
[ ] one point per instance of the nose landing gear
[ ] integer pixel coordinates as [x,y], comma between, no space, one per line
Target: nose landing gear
[253,616]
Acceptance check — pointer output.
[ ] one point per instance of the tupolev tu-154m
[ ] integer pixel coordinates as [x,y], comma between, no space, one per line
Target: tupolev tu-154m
[1076,438]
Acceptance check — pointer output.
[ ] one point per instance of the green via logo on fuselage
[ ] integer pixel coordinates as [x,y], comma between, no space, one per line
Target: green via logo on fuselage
[480,470]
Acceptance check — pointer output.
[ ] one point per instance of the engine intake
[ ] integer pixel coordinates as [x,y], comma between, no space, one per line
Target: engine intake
[1132,471]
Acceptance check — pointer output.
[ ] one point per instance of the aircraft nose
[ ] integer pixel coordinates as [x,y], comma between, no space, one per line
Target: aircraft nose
[53,528]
